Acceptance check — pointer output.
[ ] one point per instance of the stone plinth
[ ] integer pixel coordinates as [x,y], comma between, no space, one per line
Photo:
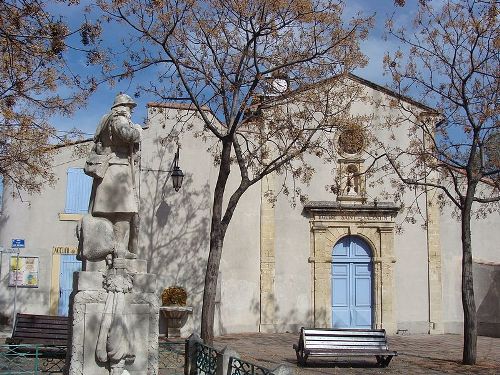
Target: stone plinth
[176,317]
[141,313]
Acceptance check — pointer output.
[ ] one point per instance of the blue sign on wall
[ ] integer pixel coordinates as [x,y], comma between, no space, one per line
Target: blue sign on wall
[17,243]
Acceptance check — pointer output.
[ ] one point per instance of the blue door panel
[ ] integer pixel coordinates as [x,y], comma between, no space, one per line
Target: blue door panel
[362,318]
[340,295]
[351,284]
[69,265]
[340,270]
[342,249]
[360,250]
[341,318]
[340,292]
[340,285]
[362,269]
[362,291]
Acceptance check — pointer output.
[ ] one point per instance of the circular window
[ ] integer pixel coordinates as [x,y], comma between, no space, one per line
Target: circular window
[352,140]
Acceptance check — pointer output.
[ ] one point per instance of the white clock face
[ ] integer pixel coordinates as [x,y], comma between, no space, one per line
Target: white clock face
[279,85]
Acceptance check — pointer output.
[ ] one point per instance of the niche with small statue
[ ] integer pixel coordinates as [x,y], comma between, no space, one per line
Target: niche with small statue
[350,180]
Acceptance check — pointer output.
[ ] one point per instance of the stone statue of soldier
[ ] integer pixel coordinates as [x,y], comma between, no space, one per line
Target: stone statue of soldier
[112,165]
[109,232]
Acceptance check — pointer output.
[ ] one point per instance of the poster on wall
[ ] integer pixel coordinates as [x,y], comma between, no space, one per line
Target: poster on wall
[24,271]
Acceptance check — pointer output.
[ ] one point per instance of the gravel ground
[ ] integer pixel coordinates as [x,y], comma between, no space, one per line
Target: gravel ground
[417,354]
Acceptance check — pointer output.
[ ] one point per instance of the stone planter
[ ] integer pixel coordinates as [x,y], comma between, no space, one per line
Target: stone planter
[176,317]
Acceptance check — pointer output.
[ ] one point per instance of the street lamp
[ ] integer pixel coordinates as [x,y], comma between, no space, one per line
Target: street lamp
[177,175]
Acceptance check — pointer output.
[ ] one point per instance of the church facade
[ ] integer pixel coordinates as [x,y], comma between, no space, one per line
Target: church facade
[346,257]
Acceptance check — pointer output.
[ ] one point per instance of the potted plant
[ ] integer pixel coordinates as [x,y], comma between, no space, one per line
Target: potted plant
[174,296]
[174,309]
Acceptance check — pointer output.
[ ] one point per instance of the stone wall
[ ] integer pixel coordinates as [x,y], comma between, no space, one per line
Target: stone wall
[487,294]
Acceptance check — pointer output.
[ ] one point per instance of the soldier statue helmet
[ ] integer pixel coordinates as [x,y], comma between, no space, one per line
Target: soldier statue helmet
[123,99]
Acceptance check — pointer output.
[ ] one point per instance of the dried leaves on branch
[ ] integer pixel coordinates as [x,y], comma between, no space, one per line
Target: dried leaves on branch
[452,64]
[271,73]
[33,75]
[229,56]
[450,61]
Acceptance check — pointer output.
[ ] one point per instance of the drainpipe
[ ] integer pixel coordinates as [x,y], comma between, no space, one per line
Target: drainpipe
[430,324]
[428,265]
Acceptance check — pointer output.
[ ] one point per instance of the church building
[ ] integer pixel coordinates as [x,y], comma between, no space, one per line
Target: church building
[350,255]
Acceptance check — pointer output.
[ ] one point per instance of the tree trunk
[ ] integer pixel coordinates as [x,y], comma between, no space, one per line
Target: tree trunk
[468,302]
[217,233]
[211,276]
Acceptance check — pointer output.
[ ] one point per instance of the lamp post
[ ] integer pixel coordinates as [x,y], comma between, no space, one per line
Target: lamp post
[177,175]
[174,171]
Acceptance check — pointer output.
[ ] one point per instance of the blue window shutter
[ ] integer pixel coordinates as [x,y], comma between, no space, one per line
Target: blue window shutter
[77,191]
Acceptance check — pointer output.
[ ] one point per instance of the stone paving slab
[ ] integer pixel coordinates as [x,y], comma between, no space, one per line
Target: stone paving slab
[417,354]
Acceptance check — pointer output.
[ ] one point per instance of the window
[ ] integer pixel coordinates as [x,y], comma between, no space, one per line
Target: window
[77,191]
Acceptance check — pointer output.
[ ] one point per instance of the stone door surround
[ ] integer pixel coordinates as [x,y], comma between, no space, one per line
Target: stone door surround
[373,222]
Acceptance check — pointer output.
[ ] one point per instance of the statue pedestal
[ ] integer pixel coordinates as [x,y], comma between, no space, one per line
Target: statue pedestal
[176,317]
[140,312]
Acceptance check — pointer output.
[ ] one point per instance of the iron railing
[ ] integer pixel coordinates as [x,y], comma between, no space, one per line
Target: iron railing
[31,359]
[206,359]
[239,367]
[35,359]
[52,365]
[19,359]
[38,359]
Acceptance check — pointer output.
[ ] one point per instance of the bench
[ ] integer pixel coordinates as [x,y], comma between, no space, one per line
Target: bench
[343,343]
[48,333]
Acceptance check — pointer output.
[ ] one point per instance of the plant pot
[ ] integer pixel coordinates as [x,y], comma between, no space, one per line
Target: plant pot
[176,317]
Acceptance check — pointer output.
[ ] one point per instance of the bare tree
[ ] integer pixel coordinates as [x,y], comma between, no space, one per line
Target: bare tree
[33,76]
[256,66]
[451,62]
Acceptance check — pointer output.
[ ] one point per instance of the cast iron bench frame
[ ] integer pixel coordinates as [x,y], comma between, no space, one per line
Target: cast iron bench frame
[337,342]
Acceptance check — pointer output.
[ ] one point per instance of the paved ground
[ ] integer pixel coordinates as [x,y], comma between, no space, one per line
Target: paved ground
[417,354]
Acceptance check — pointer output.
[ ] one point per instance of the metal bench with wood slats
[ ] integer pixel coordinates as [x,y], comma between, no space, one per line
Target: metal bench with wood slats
[49,333]
[338,342]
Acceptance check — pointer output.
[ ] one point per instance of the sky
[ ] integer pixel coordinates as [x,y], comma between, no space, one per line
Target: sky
[86,119]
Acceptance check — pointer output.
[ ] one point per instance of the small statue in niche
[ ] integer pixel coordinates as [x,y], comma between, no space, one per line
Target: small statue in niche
[353,183]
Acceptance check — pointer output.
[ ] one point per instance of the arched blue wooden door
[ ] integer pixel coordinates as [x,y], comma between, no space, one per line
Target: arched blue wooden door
[69,265]
[351,284]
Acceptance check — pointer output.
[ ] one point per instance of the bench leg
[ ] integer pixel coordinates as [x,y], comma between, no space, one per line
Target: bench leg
[387,360]
[300,357]
[305,359]
[383,361]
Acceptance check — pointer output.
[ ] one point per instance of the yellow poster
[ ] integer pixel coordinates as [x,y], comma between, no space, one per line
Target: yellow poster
[23,272]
